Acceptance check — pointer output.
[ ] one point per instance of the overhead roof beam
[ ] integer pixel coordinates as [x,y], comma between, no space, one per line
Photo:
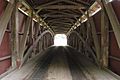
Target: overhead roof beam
[75,3]
[55,26]
[83,2]
[60,28]
[63,24]
[60,12]
[67,1]
[62,7]
[91,11]
[48,3]
[28,11]
[62,20]
[58,16]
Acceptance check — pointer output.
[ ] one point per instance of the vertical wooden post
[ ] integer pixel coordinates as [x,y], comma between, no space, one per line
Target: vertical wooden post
[95,39]
[34,38]
[46,41]
[104,38]
[94,36]
[47,37]
[88,31]
[24,38]
[43,43]
[73,42]
[36,35]
[14,36]
[31,39]
[76,42]
[39,46]
[40,42]
[87,37]
[39,32]
[31,30]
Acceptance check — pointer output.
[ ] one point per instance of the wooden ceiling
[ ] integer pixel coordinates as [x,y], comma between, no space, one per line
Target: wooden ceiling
[60,15]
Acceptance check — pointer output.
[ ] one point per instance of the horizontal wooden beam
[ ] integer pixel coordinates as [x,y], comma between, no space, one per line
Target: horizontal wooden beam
[62,23]
[83,2]
[65,12]
[4,58]
[74,3]
[65,1]
[62,7]
[61,28]
[60,15]
[115,58]
[9,31]
[62,20]
[48,3]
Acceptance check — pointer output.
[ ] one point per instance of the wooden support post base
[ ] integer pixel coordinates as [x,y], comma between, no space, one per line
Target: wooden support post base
[18,62]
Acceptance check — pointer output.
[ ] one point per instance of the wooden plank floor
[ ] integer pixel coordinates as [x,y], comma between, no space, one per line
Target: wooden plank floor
[65,63]
[59,69]
[68,64]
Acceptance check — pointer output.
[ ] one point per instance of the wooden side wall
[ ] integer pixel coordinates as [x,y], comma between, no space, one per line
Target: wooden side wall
[114,50]
[114,64]
[5,45]
[19,37]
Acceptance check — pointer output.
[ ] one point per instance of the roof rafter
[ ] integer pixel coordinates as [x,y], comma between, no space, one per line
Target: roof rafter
[63,7]
[49,3]
[69,24]
[62,20]
[60,15]
[83,4]
[61,12]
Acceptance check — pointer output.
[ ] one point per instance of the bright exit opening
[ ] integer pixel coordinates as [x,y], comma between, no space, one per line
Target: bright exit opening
[60,40]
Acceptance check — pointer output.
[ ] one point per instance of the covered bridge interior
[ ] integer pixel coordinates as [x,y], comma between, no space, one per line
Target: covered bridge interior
[28,29]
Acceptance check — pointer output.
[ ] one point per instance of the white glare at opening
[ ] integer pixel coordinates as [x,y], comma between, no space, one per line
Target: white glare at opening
[107,1]
[60,40]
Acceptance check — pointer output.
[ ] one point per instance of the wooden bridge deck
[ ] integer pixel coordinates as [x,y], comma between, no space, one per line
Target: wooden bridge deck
[61,63]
